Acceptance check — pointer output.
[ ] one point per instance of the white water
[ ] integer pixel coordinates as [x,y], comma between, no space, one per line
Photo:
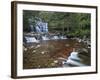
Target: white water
[41,26]
[55,37]
[45,38]
[34,40]
[63,37]
[31,39]
[37,29]
[73,59]
[74,55]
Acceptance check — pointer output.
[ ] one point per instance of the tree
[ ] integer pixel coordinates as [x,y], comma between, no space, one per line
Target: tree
[67,23]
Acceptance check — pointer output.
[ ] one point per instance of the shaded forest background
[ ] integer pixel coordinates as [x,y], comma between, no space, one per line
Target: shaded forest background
[66,23]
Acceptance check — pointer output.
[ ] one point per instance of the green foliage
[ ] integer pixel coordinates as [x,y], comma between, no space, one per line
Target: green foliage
[73,24]
[28,15]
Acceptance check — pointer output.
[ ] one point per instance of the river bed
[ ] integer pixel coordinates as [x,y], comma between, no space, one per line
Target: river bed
[50,53]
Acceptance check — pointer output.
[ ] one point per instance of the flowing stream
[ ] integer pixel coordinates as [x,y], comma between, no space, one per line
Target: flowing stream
[54,53]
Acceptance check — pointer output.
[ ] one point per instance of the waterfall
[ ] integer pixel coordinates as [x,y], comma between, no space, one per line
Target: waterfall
[41,26]
[37,29]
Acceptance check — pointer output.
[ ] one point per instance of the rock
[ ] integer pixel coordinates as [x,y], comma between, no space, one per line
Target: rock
[42,52]
[25,49]
[31,47]
[34,51]
[67,45]
[84,52]
[38,46]
[52,64]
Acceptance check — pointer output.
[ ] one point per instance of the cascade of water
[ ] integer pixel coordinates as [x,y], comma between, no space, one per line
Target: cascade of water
[55,37]
[31,39]
[74,55]
[45,38]
[41,26]
[37,29]
[63,37]
[74,60]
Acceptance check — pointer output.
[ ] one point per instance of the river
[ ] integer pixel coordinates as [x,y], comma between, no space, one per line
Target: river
[51,53]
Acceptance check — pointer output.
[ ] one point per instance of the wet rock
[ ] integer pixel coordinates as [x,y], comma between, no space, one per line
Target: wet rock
[84,52]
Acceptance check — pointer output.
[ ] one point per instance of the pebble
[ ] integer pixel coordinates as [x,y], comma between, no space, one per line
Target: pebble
[31,47]
[25,49]
[37,46]
[67,45]
[52,64]
[42,52]
[34,51]
[56,61]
